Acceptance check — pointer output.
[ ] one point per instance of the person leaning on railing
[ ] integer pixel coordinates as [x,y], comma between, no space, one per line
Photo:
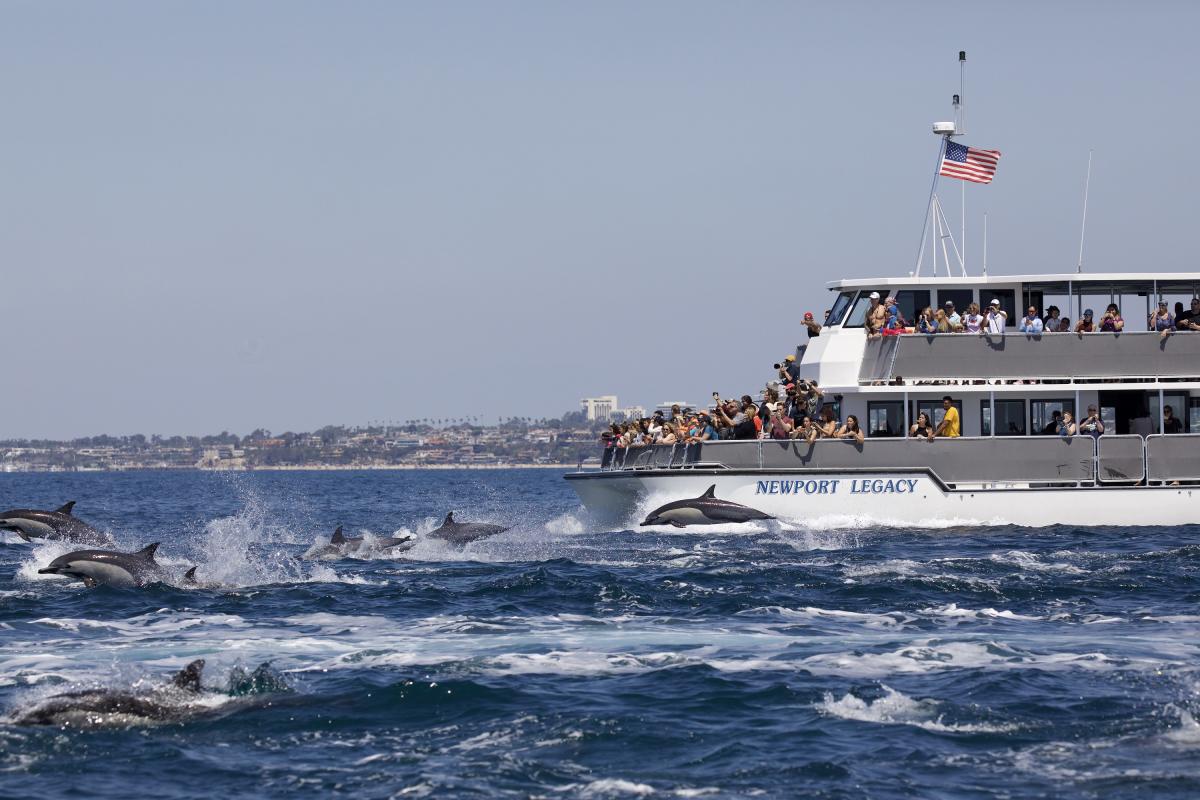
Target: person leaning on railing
[1031,322]
[1189,320]
[1092,425]
[950,426]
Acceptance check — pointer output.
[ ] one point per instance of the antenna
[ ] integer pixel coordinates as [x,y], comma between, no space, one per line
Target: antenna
[960,115]
[985,244]
[1083,228]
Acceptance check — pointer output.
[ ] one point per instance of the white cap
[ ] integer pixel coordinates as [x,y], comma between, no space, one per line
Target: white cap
[874,295]
[994,303]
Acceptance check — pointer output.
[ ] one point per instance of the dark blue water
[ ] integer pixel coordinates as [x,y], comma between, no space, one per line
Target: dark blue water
[561,660]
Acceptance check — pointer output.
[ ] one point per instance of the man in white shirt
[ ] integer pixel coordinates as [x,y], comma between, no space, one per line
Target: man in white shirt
[995,318]
[1031,322]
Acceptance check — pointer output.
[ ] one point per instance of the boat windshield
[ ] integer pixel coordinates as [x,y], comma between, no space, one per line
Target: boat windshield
[839,309]
[858,314]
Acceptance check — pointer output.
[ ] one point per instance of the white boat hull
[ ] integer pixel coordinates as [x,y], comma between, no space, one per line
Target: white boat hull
[911,499]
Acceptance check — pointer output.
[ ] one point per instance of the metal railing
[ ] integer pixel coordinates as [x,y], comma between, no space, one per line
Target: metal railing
[1055,356]
[1025,460]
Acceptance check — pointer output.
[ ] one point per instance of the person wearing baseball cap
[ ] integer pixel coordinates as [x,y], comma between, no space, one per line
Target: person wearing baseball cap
[1086,325]
[811,325]
[952,316]
[876,316]
[995,319]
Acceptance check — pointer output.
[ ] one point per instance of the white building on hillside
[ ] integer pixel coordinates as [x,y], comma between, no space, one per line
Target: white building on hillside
[599,408]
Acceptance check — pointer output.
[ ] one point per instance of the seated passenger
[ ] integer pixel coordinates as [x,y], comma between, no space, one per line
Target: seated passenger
[851,430]
[1111,322]
[1085,325]
[1031,322]
[927,323]
[995,319]
[922,427]
[1092,425]
[973,321]
[951,426]
[1162,320]
[895,322]
[1066,426]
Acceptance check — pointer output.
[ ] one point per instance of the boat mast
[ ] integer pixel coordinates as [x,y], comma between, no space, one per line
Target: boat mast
[1087,182]
[960,127]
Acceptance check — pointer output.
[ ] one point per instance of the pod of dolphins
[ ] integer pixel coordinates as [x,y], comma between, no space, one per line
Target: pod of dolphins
[108,567]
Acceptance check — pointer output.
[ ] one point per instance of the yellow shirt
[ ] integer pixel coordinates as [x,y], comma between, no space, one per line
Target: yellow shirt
[953,428]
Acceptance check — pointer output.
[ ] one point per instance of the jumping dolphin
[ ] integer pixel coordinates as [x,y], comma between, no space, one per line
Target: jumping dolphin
[703,510]
[95,707]
[341,545]
[109,567]
[58,525]
[464,532]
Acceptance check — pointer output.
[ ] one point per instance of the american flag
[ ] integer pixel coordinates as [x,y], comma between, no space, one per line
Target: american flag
[969,163]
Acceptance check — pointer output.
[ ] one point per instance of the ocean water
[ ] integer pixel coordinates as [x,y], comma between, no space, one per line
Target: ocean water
[561,659]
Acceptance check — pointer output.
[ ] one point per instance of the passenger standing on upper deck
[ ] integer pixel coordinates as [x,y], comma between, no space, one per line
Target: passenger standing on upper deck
[951,426]
[1189,320]
[973,321]
[1085,325]
[1031,322]
[876,316]
[811,325]
[1052,324]
[927,323]
[922,427]
[995,319]
[1111,321]
[1162,321]
[952,317]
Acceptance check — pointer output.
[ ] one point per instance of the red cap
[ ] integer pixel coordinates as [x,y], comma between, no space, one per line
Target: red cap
[808,315]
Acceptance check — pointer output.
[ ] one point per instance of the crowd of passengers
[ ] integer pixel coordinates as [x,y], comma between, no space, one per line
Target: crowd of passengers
[884,319]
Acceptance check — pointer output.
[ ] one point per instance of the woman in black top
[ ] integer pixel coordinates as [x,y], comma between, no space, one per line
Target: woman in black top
[922,427]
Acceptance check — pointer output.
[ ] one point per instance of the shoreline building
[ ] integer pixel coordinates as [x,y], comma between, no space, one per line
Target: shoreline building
[599,408]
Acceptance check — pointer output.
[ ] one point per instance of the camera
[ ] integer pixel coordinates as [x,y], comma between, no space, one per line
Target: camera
[778,366]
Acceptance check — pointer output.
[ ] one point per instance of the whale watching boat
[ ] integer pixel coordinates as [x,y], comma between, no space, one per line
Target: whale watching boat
[1008,466]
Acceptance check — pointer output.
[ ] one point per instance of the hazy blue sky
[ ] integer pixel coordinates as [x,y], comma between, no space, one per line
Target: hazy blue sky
[230,215]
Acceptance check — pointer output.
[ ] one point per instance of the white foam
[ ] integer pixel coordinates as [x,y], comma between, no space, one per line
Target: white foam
[896,708]
[954,612]
[565,525]
[610,786]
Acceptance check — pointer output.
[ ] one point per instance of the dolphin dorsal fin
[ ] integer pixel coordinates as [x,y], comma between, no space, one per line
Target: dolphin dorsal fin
[449,519]
[711,492]
[188,678]
[338,537]
[147,552]
[65,508]
[190,575]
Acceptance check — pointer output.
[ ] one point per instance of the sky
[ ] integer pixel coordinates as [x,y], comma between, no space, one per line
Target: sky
[233,215]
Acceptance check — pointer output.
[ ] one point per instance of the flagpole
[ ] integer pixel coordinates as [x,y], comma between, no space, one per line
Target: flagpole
[960,130]
[937,168]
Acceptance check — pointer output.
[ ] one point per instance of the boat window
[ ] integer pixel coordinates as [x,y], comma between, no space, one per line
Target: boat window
[858,314]
[1193,415]
[1041,414]
[839,309]
[1010,417]
[1177,401]
[933,409]
[912,302]
[961,298]
[885,418]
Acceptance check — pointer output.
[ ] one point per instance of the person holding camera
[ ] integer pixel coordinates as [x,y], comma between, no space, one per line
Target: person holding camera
[788,370]
[995,319]
[1111,322]
[1066,426]
[1092,425]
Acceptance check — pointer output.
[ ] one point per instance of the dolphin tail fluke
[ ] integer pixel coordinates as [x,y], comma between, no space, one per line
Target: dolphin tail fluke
[338,537]
[66,508]
[147,552]
[188,678]
[710,493]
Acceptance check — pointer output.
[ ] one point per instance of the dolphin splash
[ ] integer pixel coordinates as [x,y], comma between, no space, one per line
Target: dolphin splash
[57,525]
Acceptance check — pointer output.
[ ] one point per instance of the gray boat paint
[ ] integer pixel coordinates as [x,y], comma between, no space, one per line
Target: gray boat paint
[341,545]
[464,532]
[100,707]
[108,567]
[57,525]
[703,510]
